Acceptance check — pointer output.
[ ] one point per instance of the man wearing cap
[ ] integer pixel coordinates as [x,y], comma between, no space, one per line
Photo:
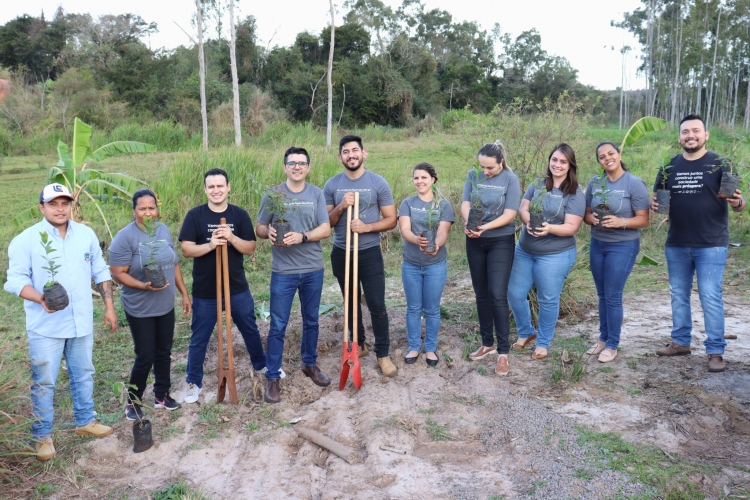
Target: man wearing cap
[298,265]
[70,331]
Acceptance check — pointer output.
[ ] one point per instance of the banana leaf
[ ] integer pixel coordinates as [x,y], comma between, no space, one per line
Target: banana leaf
[23,219]
[81,142]
[648,261]
[642,127]
[118,147]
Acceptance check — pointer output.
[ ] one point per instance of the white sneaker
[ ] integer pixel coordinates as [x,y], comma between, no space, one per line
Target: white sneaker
[265,369]
[192,393]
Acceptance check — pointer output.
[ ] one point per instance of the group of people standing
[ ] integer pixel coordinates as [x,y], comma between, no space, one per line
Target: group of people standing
[502,271]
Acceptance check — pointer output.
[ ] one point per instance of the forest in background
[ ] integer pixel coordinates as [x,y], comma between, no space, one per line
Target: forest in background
[402,67]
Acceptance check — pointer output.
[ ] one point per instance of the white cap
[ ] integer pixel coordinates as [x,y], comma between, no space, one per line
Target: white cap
[52,191]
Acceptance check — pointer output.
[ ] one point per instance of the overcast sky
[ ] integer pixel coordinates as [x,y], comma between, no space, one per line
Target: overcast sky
[579,30]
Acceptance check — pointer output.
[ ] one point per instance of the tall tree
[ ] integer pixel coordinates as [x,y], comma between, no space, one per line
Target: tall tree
[202,72]
[329,124]
[235,84]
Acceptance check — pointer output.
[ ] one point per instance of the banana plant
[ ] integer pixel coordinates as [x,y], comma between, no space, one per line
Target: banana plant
[642,127]
[88,184]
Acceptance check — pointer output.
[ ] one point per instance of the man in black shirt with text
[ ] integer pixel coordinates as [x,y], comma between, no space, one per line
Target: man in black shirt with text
[697,241]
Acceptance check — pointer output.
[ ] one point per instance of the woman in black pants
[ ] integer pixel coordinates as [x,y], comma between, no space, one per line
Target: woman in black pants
[149,310]
[495,190]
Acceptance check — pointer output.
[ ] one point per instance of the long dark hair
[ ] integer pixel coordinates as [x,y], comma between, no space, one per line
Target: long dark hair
[426,167]
[570,184]
[605,143]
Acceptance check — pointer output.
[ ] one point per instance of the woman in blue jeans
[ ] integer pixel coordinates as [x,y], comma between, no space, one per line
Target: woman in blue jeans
[423,273]
[495,191]
[616,242]
[545,255]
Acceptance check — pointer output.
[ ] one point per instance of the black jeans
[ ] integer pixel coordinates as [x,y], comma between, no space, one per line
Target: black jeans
[152,341]
[490,262]
[372,281]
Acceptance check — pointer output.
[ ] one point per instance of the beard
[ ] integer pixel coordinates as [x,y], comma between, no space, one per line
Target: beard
[695,148]
[355,168]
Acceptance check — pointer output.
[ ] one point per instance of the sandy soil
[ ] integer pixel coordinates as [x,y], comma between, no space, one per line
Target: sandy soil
[513,436]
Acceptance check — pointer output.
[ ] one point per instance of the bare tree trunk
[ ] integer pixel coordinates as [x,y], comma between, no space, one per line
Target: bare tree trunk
[202,73]
[650,62]
[343,102]
[747,103]
[329,125]
[713,70]
[678,58]
[235,80]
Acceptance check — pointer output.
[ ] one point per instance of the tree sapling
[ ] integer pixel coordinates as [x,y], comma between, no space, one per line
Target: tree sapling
[55,295]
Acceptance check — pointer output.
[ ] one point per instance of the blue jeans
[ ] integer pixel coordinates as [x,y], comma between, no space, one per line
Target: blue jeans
[204,321]
[611,263]
[548,274]
[708,263]
[46,354]
[423,286]
[283,289]
[490,262]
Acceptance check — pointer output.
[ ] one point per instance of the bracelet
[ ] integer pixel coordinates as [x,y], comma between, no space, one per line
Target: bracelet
[625,223]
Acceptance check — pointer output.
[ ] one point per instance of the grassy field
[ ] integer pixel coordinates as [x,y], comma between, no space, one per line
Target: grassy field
[177,178]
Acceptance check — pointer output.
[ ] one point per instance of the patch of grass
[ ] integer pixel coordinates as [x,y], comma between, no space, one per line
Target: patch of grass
[426,411]
[482,370]
[209,413]
[633,364]
[436,431]
[584,474]
[44,490]
[169,431]
[479,401]
[645,464]
[179,367]
[606,369]
[178,491]
[251,427]
[537,484]
[634,392]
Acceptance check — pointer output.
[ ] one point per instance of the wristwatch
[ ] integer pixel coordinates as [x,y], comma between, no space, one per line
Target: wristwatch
[304,238]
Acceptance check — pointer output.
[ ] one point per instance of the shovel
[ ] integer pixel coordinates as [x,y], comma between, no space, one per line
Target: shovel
[350,357]
[226,375]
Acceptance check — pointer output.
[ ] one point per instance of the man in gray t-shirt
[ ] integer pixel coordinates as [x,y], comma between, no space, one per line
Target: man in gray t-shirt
[297,265]
[377,213]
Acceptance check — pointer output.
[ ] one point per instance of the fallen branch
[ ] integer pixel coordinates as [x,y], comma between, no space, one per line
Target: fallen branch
[351,456]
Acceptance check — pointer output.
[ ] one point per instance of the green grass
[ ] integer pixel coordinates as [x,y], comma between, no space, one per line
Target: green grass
[436,431]
[645,464]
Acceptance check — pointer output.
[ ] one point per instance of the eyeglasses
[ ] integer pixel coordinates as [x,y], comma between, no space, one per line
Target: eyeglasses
[300,163]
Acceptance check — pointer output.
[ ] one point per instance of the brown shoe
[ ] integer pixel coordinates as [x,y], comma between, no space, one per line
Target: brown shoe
[387,367]
[362,350]
[317,376]
[502,367]
[94,429]
[716,363]
[45,450]
[482,352]
[272,392]
[673,349]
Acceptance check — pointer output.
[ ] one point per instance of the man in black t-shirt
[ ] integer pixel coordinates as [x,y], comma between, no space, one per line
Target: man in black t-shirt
[698,240]
[201,233]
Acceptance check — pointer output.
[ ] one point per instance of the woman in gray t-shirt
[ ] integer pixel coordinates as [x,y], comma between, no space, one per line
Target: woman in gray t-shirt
[547,252]
[149,310]
[616,242]
[424,268]
[495,190]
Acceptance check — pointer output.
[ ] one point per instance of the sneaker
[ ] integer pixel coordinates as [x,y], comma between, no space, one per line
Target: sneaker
[482,352]
[167,403]
[192,394]
[674,349]
[133,411]
[263,371]
[716,363]
[94,429]
[45,450]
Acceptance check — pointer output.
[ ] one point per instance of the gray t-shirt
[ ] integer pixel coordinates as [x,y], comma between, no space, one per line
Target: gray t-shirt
[304,211]
[555,206]
[418,211]
[497,193]
[374,193]
[627,194]
[130,247]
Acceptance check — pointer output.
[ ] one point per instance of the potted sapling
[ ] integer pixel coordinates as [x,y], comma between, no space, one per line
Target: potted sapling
[602,209]
[432,221]
[153,270]
[55,295]
[730,180]
[536,208]
[142,435]
[276,206]
[476,213]
[663,195]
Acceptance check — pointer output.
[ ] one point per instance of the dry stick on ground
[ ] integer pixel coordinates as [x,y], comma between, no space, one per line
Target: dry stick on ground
[351,456]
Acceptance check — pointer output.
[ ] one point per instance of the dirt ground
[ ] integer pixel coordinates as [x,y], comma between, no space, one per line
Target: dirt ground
[461,431]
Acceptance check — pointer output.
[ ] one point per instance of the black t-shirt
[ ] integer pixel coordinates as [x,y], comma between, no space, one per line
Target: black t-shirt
[197,227]
[697,216]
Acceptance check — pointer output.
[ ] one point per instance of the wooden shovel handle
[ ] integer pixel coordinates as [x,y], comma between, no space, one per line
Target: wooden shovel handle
[347,267]
[355,274]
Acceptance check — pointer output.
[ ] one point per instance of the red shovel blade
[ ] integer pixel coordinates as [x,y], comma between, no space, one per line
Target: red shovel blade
[350,359]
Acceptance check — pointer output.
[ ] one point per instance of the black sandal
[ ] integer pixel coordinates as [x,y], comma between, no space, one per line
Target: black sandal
[432,362]
[411,361]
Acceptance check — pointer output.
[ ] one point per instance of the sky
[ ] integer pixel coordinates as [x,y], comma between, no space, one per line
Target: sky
[579,31]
